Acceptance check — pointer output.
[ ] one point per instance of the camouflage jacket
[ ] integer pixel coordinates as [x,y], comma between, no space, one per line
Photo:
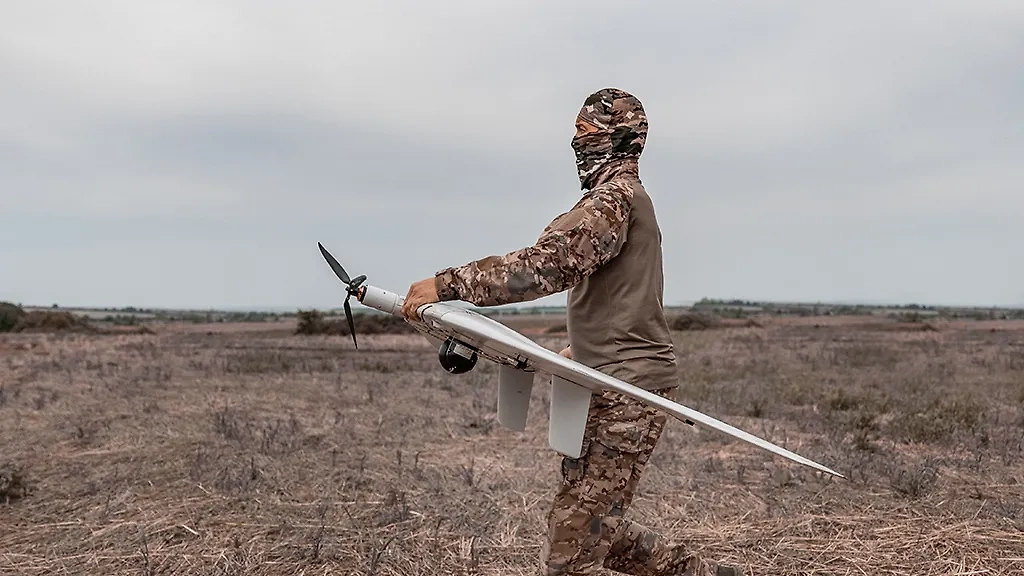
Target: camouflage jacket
[570,248]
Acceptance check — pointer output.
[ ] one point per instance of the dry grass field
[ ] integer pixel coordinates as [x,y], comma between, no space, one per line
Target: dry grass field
[244,449]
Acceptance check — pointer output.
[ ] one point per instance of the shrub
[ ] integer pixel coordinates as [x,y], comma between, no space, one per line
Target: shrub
[694,321]
[12,483]
[10,315]
[49,321]
[560,328]
[311,322]
[315,322]
[941,419]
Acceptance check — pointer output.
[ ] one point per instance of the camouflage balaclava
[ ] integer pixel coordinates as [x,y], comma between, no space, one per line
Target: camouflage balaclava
[621,134]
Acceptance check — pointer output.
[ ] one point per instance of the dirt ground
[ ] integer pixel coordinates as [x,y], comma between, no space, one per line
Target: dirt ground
[235,449]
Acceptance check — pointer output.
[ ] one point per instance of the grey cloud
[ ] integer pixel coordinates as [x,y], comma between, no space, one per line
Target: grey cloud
[796,151]
[239,161]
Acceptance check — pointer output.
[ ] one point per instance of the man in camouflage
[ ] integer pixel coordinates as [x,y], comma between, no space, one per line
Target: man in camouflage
[606,251]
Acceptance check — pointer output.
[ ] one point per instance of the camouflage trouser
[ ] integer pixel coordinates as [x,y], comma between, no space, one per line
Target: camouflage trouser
[586,527]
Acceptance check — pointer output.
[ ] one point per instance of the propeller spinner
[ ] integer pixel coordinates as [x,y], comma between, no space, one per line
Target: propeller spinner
[352,287]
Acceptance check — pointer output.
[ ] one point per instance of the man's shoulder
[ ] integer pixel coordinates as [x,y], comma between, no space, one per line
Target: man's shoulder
[617,194]
[627,187]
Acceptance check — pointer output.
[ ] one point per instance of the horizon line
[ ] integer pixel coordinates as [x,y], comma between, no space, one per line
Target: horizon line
[524,305]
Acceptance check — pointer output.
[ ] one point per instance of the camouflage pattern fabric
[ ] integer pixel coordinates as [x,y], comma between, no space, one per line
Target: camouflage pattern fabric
[619,138]
[587,529]
[586,525]
[571,247]
[579,241]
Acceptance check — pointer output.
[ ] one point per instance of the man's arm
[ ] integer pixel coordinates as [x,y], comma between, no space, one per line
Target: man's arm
[572,247]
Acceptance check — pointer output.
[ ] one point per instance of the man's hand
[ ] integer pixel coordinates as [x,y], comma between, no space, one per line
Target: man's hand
[420,293]
[566,352]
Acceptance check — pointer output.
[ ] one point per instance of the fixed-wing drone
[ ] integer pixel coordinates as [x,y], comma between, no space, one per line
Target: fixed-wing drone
[466,336]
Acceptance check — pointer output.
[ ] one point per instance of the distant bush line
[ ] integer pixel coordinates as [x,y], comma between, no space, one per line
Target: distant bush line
[688,321]
[14,318]
[902,313]
[315,322]
[702,315]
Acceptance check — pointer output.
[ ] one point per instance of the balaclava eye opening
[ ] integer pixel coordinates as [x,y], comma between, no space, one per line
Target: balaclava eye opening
[621,133]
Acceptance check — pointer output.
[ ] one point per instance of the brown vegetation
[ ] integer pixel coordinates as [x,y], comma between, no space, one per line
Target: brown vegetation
[313,322]
[701,320]
[10,315]
[12,483]
[684,322]
[196,451]
[47,321]
[14,319]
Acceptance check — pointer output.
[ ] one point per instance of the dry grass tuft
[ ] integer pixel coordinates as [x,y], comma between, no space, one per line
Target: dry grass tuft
[12,482]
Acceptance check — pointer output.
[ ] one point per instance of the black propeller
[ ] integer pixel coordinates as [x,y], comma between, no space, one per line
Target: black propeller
[352,287]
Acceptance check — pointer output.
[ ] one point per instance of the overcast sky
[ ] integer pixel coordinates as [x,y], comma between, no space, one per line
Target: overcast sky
[192,153]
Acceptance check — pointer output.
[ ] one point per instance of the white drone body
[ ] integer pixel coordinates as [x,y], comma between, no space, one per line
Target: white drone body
[467,335]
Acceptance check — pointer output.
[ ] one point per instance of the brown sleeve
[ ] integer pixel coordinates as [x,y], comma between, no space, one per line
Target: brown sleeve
[568,250]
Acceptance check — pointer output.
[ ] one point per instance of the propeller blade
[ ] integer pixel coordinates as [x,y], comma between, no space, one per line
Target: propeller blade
[335,265]
[351,324]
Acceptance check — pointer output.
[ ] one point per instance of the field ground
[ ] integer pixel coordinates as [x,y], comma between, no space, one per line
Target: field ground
[242,449]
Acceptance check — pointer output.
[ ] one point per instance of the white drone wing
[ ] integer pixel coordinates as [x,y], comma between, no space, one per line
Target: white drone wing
[467,335]
[572,384]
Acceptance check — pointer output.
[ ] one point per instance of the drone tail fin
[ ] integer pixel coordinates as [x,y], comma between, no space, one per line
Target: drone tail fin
[514,388]
[570,406]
